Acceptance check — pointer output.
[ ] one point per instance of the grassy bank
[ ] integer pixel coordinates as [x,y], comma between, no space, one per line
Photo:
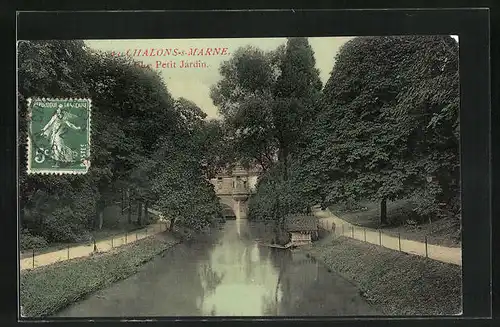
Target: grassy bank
[444,231]
[48,289]
[396,283]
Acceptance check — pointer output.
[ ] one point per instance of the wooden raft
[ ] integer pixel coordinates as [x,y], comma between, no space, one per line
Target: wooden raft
[276,246]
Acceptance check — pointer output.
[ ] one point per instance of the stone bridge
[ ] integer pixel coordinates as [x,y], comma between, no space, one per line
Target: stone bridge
[233,189]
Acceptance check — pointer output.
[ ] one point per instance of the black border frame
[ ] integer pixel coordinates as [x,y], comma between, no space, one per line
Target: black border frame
[472,26]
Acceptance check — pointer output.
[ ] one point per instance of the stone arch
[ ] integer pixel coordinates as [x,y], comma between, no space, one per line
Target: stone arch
[227,200]
[228,212]
[239,207]
[227,206]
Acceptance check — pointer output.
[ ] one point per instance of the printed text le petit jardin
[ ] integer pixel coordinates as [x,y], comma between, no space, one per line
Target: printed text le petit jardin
[173,52]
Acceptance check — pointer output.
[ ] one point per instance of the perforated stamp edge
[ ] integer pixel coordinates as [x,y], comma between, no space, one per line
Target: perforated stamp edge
[32,171]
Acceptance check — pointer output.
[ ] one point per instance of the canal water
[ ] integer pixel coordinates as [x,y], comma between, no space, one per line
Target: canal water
[227,274]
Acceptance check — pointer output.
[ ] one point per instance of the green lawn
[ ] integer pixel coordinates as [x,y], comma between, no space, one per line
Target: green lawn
[393,282]
[443,232]
[48,289]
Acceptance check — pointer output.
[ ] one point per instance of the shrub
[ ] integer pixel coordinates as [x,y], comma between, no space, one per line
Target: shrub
[402,212]
[350,206]
[29,241]
[112,216]
[275,197]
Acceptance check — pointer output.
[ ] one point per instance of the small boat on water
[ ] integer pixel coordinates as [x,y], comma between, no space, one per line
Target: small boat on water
[276,246]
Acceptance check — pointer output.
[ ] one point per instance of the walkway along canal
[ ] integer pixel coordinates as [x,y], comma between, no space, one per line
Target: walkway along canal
[435,252]
[227,274]
[78,251]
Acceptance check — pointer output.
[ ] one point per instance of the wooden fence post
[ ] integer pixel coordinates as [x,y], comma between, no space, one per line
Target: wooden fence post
[352,231]
[379,237]
[364,230]
[399,240]
[68,251]
[126,237]
[426,251]
[33,255]
[112,245]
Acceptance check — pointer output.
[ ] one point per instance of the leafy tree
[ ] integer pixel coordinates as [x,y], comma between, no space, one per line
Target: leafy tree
[268,99]
[296,91]
[133,109]
[374,133]
[179,175]
[134,119]
[185,196]
[244,98]
[217,147]
[55,207]
[430,107]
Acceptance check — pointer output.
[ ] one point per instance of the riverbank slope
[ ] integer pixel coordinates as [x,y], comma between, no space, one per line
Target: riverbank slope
[48,289]
[394,282]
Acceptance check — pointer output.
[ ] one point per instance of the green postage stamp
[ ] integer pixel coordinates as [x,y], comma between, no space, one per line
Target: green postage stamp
[58,136]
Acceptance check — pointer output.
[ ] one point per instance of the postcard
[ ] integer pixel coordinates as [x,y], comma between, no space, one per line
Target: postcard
[300,176]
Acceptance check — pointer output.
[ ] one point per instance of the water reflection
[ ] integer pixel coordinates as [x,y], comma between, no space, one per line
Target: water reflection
[227,274]
[247,278]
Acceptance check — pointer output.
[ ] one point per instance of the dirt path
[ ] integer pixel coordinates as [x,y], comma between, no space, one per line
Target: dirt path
[440,253]
[86,250]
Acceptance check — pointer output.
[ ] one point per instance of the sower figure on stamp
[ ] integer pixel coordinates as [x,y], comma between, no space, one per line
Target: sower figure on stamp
[54,131]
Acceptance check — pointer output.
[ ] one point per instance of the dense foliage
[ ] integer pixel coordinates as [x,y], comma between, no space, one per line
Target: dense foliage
[384,127]
[267,100]
[388,127]
[134,121]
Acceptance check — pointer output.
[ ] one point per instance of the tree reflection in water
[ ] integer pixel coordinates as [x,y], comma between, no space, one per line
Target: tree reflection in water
[241,276]
[209,281]
[229,275]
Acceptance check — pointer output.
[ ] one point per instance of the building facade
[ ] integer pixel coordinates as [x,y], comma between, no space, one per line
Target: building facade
[234,188]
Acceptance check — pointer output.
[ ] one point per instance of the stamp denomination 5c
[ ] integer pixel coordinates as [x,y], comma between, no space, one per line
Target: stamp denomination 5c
[59,136]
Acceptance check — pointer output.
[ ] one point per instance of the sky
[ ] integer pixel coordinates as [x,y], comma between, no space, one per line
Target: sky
[194,83]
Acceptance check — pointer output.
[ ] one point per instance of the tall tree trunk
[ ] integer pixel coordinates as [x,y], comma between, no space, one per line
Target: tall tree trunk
[139,213]
[146,213]
[383,211]
[101,219]
[172,222]
[283,159]
[99,214]
[123,202]
[129,213]
[285,166]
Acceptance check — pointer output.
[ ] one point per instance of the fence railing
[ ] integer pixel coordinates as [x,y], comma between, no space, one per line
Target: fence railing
[394,241]
[96,246]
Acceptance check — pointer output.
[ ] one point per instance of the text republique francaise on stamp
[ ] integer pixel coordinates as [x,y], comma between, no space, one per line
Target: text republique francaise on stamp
[59,136]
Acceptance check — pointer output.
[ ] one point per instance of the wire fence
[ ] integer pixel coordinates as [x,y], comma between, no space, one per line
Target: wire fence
[95,246]
[394,241]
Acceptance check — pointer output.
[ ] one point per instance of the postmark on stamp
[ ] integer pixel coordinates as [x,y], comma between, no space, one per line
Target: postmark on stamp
[58,136]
